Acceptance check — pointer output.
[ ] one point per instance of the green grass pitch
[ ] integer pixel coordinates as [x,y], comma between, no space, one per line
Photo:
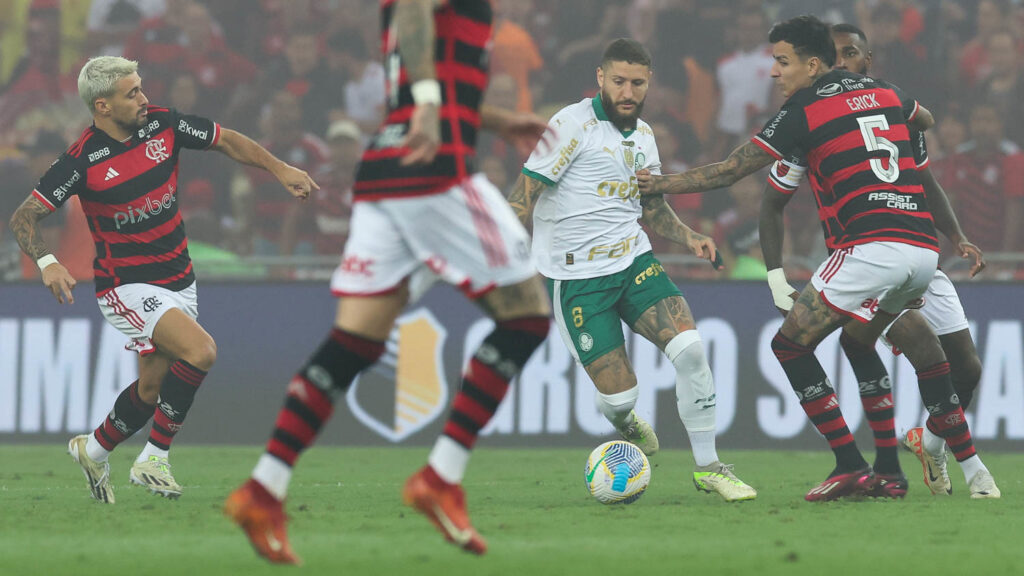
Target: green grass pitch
[531,505]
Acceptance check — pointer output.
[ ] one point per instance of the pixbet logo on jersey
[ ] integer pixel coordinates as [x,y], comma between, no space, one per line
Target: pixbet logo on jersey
[151,208]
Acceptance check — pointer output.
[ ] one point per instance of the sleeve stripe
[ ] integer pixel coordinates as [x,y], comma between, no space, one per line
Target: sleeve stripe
[46,202]
[779,187]
[766,147]
[539,177]
[216,135]
[924,164]
[917,106]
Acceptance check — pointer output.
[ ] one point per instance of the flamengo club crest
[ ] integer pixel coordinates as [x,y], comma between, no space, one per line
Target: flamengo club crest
[413,366]
[156,151]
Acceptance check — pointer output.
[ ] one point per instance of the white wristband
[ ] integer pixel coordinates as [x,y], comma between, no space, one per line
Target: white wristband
[46,261]
[426,92]
[781,289]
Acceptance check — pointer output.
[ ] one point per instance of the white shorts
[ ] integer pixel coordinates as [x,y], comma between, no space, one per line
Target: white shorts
[860,280]
[468,236]
[942,308]
[134,309]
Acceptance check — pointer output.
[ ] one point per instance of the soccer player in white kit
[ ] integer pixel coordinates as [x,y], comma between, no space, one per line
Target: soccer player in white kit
[597,260]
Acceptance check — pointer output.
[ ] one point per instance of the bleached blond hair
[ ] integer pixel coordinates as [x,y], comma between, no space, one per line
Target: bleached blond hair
[99,76]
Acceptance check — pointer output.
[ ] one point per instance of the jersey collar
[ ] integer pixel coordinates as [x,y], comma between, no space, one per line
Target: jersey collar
[599,112]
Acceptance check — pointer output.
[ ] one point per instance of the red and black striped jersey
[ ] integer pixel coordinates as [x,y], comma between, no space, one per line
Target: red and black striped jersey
[463,31]
[861,160]
[128,192]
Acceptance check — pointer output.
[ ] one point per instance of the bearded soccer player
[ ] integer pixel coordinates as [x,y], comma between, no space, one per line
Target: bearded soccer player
[853,131]
[417,203]
[598,263]
[124,168]
[941,310]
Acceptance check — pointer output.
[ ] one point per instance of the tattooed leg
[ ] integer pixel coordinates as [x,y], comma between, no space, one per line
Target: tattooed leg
[664,321]
[811,320]
[527,298]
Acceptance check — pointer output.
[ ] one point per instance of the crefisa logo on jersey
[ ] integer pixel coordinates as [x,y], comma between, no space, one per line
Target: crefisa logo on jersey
[413,366]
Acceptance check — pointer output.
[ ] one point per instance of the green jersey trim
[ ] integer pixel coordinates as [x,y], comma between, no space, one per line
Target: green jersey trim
[599,112]
[539,177]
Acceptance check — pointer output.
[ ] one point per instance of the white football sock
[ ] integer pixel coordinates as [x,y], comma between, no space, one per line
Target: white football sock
[932,444]
[695,394]
[273,474]
[618,407]
[449,459]
[95,451]
[972,466]
[150,450]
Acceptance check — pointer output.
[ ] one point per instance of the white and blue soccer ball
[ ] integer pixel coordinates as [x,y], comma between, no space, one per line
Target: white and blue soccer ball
[617,472]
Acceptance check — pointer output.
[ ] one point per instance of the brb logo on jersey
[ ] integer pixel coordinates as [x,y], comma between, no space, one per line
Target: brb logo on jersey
[156,151]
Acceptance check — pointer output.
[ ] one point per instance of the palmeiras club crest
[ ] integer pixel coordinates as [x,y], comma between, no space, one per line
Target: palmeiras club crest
[406,390]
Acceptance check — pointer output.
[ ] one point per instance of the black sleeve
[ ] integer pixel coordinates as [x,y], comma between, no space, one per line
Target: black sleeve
[784,133]
[920,148]
[194,132]
[64,178]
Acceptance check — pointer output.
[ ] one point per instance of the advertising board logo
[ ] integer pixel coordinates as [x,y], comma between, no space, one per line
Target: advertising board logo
[413,365]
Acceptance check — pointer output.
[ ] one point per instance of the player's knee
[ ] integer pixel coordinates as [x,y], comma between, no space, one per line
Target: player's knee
[966,374]
[202,354]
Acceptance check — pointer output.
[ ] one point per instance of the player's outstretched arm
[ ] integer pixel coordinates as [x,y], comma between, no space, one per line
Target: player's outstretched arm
[524,197]
[243,149]
[25,226]
[521,129]
[663,221]
[744,160]
[772,233]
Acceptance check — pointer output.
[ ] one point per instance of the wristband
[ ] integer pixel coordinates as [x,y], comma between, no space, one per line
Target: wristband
[46,261]
[426,92]
[777,279]
[780,289]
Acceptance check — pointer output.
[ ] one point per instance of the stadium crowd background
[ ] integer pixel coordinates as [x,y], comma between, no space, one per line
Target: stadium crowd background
[304,78]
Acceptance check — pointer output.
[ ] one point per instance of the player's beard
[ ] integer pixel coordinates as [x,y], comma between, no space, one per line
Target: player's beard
[622,121]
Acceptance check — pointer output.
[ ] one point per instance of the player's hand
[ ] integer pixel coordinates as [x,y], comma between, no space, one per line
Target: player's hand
[524,130]
[298,182]
[60,282]
[424,136]
[968,250]
[645,181]
[702,246]
[783,294]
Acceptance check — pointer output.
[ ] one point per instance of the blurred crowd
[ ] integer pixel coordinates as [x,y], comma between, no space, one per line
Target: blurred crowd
[304,78]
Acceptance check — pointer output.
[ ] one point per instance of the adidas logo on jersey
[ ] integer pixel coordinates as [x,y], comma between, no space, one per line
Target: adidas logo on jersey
[111,174]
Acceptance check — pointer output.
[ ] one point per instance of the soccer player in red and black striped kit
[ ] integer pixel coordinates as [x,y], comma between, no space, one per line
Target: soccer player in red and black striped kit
[941,309]
[124,169]
[853,131]
[417,204]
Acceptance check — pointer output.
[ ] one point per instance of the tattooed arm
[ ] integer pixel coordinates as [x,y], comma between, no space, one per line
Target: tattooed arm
[663,221]
[413,22]
[744,160]
[25,226]
[524,196]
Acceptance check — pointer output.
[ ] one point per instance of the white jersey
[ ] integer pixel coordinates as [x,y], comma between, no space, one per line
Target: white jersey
[586,223]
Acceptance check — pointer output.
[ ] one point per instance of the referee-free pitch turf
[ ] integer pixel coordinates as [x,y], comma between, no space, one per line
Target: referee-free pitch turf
[531,505]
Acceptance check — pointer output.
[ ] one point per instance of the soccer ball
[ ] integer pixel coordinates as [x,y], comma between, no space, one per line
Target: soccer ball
[617,472]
